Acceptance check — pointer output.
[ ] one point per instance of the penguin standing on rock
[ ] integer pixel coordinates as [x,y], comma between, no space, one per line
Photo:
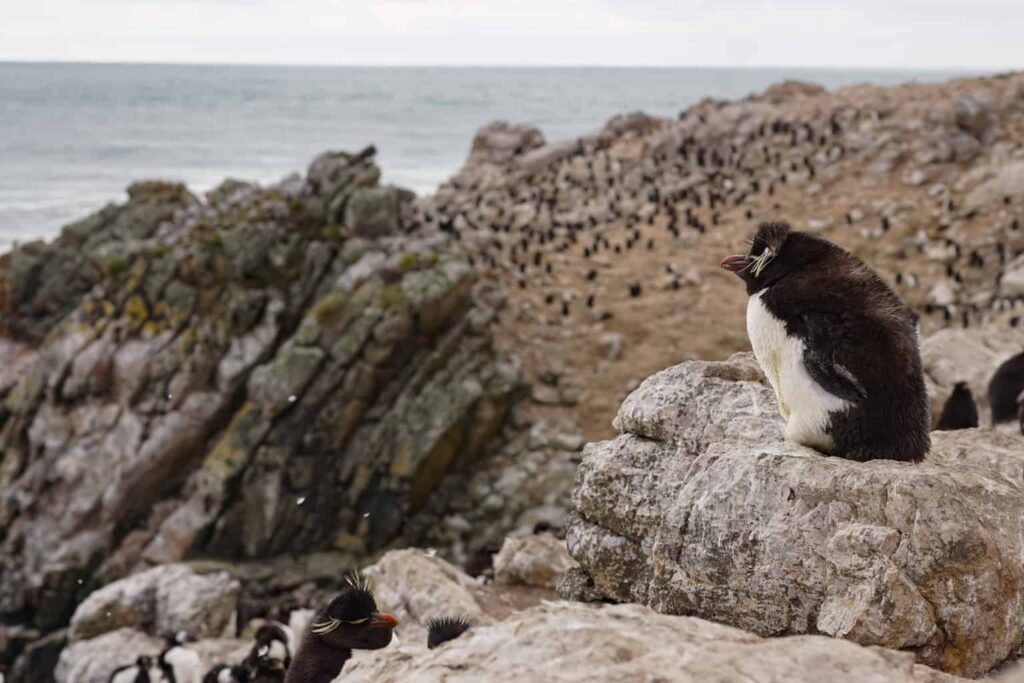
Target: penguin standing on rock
[960,411]
[837,345]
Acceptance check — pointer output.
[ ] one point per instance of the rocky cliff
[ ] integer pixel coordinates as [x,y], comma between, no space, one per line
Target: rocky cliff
[257,373]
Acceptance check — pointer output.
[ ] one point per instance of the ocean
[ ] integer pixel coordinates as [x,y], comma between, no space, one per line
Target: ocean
[73,136]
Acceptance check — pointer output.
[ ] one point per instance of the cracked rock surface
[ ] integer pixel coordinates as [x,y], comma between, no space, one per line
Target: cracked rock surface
[699,508]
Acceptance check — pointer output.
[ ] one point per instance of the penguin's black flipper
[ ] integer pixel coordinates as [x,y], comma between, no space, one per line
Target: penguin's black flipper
[822,334]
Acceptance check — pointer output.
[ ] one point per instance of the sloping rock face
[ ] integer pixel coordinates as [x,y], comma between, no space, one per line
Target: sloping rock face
[575,642]
[698,508]
[243,376]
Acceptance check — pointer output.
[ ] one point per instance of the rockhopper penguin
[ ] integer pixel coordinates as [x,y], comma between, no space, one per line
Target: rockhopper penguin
[350,622]
[837,345]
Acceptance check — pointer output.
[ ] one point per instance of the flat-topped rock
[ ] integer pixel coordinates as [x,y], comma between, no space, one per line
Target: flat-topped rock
[570,642]
[690,512]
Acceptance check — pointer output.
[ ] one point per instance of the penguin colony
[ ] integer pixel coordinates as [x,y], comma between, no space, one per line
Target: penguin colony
[351,621]
[599,234]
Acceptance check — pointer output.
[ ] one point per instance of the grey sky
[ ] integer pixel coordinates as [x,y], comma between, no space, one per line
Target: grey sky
[897,33]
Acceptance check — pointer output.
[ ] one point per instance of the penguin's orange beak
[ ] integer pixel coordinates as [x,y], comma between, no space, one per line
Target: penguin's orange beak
[736,262]
[384,621]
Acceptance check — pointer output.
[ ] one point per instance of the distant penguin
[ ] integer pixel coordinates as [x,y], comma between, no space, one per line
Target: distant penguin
[349,622]
[960,411]
[222,673]
[146,669]
[442,629]
[1006,385]
[837,345]
[182,663]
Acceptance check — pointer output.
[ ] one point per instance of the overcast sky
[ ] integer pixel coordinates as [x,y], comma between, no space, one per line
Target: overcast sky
[888,33]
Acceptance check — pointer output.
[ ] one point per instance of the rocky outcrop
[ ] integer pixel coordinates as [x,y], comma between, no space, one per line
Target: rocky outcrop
[163,601]
[236,377]
[575,642]
[698,508]
[537,560]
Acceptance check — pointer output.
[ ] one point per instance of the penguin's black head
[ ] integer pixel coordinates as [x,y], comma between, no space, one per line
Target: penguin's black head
[352,621]
[441,630]
[775,250]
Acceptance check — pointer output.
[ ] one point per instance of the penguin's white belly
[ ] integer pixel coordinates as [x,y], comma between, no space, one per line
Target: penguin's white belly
[804,404]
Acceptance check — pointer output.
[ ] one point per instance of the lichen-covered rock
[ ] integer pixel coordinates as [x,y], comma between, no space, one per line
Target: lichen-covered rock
[248,377]
[778,539]
[537,560]
[162,601]
[572,642]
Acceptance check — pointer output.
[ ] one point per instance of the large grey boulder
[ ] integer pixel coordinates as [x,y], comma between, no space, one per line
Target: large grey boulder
[689,512]
[572,642]
[93,660]
[161,601]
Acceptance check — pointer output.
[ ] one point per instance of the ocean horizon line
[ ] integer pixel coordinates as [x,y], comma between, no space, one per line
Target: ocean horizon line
[991,70]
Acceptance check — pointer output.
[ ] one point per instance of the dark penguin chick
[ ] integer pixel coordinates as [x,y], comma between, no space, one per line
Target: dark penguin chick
[222,673]
[146,669]
[1006,385]
[837,345]
[273,641]
[350,622]
[442,629]
[960,411]
[266,670]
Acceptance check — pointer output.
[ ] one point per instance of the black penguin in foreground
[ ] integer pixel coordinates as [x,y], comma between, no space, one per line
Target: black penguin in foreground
[350,622]
[441,630]
[1005,388]
[837,345]
[960,411]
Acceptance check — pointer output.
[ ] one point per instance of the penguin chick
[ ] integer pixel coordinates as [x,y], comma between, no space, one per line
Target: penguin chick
[838,346]
[273,641]
[960,411]
[146,669]
[222,673]
[442,629]
[1006,385]
[350,622]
